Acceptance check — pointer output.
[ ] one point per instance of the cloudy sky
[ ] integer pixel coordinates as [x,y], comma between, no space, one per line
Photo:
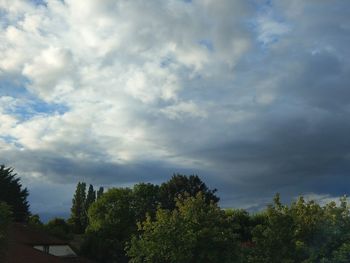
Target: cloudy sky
[252,95]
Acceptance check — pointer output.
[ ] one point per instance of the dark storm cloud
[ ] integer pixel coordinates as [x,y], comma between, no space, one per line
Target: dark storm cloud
[63,170]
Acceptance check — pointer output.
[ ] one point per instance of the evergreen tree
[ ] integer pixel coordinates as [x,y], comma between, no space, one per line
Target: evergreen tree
[91,197]
[78,214]
[11,192]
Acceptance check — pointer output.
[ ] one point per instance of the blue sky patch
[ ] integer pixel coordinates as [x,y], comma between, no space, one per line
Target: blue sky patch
[10,140]
[207,43]
[27,104]
[39,2]
[166,61]
[32,108]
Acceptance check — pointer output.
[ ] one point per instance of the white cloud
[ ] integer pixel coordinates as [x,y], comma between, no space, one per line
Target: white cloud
[270,30]
[117,66]
[151,83]
[176,83]
[49,72]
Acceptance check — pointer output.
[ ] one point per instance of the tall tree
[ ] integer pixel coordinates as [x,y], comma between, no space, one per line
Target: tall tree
[180,185]
[78,211]
[99,192]
[91,196]
[145,200]
[111,223]
[90,199]
[11,192]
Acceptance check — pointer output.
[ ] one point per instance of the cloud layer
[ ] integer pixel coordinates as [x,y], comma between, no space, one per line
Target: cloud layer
[251,95]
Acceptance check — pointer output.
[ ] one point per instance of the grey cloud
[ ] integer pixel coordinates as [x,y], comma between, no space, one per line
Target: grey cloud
[276,115]
[287,155]
[58,169]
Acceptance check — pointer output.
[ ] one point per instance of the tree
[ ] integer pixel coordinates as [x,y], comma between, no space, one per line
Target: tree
[59,227]
[302,232]
[341,254]
[90,198]
[111,223]
[34,220]
[11,192]
[145,200]
[194,232]
[179,185]
[99,192]
[78,218]
[241,223]
[274,241]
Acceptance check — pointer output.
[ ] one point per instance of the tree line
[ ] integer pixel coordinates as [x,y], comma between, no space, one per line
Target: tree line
[180,221]
[80,206]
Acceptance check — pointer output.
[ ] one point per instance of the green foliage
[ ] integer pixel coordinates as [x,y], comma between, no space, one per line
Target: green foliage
[11,192]
[78,217]
[341,254]
[112,218]
[99,192]
[34,220]
[177,222]
[90,198]
[60,228]
[241,223]
[111,223]
[80,206]
[145,200]
[180,185]
[304,232]
[194,232]
[268,238]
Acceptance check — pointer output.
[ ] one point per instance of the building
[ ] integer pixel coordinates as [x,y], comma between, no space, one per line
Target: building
[28,244]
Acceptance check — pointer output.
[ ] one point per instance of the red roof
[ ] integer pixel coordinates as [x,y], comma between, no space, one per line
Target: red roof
[33,236]
[22,238]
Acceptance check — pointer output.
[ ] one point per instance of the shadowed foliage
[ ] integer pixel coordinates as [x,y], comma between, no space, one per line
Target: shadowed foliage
[194,232]
[111,223]
[180,185]
[11,193]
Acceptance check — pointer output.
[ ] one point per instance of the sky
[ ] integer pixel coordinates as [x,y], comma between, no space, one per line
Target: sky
[251,95]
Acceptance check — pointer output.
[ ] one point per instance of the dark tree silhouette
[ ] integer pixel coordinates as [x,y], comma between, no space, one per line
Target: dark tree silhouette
[145,200]
[78,212]
[11,192]
[180,185]
[99,192]
[90,198]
